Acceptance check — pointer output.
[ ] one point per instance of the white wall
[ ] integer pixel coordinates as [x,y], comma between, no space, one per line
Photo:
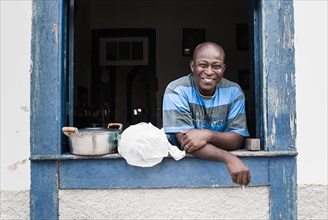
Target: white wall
[15,94]
[311,90]
[178,203]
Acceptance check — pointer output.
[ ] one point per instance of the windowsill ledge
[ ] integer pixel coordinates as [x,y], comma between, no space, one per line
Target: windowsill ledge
[239,153]
[112,171]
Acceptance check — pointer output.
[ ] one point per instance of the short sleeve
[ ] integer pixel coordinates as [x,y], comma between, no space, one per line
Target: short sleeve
[176,112]
[237,115]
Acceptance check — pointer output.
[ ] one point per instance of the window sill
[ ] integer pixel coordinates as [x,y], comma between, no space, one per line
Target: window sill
[112,171]
[239,153]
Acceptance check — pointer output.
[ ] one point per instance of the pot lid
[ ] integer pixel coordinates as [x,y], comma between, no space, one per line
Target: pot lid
[94,130]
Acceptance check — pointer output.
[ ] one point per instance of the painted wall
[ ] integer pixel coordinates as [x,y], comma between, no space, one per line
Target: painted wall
[182,203]
[311,81]
[311,90]
[15,94]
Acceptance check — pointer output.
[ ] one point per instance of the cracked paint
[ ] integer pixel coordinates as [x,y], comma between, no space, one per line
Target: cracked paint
[15,165]
[273,134]
[292,124]
[55,31]
[25,108]
[276,104]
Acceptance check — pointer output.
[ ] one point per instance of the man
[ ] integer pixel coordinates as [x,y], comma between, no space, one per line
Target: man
[204,113]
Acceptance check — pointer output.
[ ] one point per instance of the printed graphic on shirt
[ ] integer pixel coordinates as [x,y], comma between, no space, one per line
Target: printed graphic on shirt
[209,122]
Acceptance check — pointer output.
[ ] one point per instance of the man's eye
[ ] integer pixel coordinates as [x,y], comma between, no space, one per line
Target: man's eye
[217,67]
[203,65]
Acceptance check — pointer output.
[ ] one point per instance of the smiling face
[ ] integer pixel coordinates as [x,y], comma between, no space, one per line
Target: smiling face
[208,67]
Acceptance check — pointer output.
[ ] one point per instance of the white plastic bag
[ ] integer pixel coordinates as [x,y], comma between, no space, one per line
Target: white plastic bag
[145,145]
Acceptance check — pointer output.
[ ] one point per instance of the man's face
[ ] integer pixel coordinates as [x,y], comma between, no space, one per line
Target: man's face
[208,68]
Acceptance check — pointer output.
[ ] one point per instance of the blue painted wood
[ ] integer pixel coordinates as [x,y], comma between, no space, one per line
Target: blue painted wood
[282,174]
[256,66]
[44,190]
[47,77]
[71,62]
[188,172]
[278,79]
[48,103]
[238,153]
[279,108]
[64,71]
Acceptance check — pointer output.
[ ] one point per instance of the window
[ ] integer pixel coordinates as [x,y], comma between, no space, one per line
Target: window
[123,51]
[50,83]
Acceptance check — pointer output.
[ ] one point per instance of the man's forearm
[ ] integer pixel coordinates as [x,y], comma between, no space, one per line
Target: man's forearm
[211,152]
[226,140]
[238,171]
[201,137]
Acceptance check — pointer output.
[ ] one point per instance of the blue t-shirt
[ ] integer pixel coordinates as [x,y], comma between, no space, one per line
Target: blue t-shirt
[185,108]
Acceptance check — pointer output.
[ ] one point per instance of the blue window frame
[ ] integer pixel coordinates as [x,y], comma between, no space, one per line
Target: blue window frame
[275,166]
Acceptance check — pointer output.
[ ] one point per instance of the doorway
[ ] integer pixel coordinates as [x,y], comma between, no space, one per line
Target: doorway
[123,81]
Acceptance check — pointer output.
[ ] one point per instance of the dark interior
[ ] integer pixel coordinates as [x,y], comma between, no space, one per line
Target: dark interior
[126,52]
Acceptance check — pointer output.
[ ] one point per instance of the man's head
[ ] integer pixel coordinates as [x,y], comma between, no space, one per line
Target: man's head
[208,67]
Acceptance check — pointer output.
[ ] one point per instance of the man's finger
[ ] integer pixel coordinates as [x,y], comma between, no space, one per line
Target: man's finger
[249,178]
[240,178]
[245,178]
[184,142]
[234,178]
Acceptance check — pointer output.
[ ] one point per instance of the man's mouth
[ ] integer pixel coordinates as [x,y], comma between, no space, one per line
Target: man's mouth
[207,79]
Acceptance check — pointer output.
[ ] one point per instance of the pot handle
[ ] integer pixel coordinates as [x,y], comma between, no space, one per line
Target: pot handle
[69,130]
[119,125]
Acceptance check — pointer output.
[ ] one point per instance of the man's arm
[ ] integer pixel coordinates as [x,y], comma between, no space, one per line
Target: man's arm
[196,138]
[238,171]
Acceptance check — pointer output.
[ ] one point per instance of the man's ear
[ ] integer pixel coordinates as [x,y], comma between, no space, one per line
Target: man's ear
[192,65]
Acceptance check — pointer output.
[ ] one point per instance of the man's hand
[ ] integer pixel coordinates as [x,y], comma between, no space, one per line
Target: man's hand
[197,142]
[194,139]
[239,172]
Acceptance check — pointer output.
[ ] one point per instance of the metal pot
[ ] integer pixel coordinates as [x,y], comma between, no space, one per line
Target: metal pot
[93,141]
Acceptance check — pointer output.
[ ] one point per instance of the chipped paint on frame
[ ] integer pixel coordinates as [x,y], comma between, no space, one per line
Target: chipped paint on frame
[279,111]
[275,56]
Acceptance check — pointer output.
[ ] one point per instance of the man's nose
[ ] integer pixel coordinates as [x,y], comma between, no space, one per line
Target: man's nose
[210,70]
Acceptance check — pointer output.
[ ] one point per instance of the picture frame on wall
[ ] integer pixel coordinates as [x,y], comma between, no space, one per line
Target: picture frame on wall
[191,37]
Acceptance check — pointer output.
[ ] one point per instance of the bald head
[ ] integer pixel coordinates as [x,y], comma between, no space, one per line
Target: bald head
[207,45]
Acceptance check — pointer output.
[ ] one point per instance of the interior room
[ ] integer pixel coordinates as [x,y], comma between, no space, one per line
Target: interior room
[126,52]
